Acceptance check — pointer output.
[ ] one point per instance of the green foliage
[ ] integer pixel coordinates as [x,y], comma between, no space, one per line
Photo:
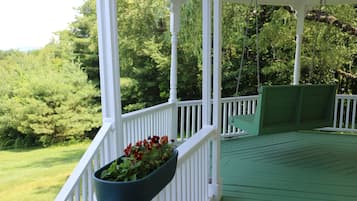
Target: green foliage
[144,46]
[326,49]
[44,99]
[130,94]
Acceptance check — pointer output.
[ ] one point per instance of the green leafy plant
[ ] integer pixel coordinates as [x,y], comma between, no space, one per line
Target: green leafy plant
[140,159]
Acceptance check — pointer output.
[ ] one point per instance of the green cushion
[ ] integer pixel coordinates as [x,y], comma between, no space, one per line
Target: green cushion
[289,108]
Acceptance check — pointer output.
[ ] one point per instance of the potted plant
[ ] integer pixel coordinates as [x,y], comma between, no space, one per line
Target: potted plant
[142,172]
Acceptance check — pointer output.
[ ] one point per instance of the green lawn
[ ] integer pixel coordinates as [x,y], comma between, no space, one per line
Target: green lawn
[37,174]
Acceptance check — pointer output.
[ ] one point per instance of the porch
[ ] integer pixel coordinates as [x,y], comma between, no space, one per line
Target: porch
[291,166]
[201,124]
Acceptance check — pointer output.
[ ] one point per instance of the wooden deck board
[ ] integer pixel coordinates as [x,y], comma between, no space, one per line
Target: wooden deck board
[290,167]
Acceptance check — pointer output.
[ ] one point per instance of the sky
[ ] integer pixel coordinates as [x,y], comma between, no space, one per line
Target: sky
[29,24]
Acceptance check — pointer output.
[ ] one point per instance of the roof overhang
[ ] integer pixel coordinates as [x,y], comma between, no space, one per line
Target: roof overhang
[294,2]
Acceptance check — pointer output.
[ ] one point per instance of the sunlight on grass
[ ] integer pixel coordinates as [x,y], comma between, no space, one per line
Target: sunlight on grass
[37,174]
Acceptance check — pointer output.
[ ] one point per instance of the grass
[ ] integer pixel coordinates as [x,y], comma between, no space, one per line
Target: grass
[37,174]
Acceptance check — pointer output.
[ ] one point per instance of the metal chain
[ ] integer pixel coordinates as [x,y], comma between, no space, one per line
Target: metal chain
[257,43]
[243,49]
[322,3]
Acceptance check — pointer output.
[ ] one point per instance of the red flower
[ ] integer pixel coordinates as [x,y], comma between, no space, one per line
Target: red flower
[142,158]
[164,139]
[127,150]
[155,139]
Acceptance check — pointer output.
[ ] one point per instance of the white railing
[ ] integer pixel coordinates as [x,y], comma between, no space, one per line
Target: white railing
[189,118]
[345,114]
[156,120]
[137,125]
[191,181]
[79,184]
[236,106]
[190,115]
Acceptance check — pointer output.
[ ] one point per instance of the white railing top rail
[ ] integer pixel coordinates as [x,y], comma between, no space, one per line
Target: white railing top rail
[83,163]
[194,142]
[227,99]
[243,98]
[346,96]
[230,99]
[134,114]
[189,102]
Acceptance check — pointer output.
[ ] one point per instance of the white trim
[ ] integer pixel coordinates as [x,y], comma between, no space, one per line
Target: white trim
[294,2]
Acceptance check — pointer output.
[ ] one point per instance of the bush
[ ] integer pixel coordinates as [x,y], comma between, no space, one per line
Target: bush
[44,101]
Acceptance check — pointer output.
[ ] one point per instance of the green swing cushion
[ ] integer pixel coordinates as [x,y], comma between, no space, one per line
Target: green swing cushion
[289,108]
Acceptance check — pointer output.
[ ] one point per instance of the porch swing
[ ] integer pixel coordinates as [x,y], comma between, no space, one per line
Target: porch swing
[284,108]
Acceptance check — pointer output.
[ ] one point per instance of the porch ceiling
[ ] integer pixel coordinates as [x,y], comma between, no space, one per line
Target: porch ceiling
[295,2]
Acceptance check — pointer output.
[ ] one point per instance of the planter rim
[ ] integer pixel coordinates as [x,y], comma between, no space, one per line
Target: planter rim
[173,157]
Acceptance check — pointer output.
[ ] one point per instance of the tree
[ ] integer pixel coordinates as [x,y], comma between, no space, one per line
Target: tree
[144,44]
[45,100]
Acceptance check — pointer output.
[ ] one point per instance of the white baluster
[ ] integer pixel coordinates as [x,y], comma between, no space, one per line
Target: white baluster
[188,112]
[224,123]
[193,120]
[341,112]
[199,117]
[347,113]
[181,126]
[354,113]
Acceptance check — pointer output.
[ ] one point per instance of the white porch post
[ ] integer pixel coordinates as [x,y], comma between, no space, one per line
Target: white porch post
[174,29]
[206,62]
[217,53]
[300,15]
[109,70]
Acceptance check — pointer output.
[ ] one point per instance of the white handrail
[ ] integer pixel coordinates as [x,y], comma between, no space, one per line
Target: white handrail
[191,181]
[194,142]
[151,109]
[83,165]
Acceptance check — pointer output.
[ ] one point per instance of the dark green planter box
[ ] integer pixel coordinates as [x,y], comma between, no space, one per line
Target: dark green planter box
[144,189]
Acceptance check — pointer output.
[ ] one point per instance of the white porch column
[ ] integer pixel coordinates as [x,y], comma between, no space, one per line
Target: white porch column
[300,15]
[174,29]
[109,69]
[217,54]
[206,62]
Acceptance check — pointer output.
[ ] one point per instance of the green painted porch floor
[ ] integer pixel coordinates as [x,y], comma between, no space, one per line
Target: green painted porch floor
[290,167]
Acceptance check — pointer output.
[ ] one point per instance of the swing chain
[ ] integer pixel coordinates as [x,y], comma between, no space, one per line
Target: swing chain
[322,3]
[244,46]
[257,44]
[243,49]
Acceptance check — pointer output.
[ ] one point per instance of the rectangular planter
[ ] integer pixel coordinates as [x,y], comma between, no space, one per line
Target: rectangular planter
[144,189]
